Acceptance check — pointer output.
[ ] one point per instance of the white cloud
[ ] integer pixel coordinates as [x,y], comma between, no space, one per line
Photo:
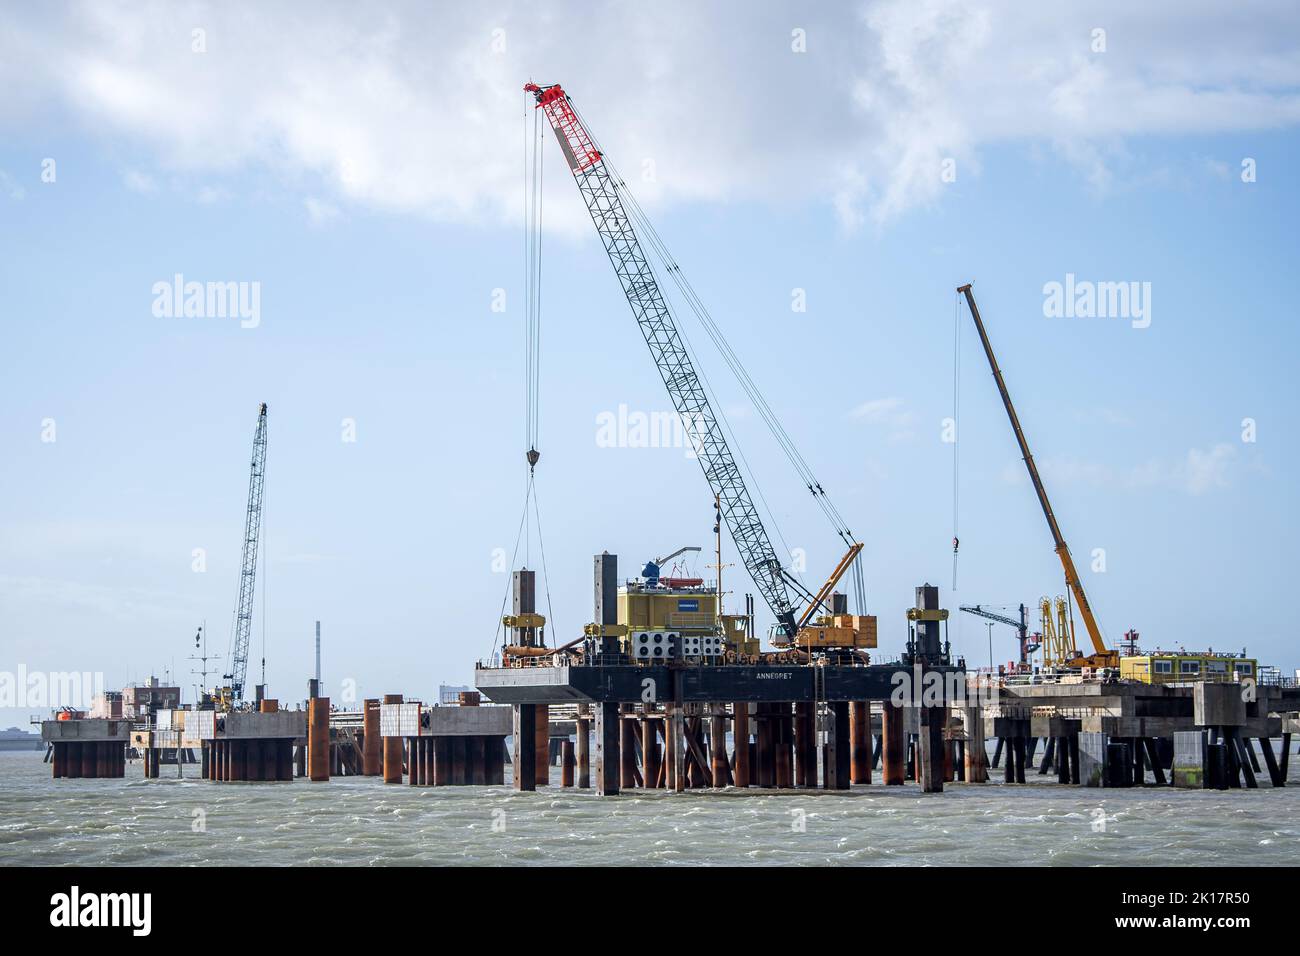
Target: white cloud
[139,182]
[208,195]
[407,107]
[1196,473]
[1218,169]
[1071,471]
[304,557]
[1103,415]
[879,410]
[319,211]
[1207,470]
[952,77]
[120,603]
[10,187]
[890,412]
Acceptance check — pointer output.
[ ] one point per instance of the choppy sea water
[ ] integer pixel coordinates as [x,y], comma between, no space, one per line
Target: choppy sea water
[362,821]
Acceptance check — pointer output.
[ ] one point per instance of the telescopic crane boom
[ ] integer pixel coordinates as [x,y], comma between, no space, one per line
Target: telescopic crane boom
[600,192]
[1103,656]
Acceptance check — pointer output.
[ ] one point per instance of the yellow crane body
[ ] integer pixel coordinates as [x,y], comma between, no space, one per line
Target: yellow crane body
[835,630]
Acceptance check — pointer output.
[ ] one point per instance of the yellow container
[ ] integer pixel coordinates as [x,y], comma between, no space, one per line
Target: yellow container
[686,611]
[840,630]
[1186,668]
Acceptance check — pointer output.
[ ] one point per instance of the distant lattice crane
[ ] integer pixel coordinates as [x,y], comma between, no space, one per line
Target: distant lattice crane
[248,575]
[1028,642]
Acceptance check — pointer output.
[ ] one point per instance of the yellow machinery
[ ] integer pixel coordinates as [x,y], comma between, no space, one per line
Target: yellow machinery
[839,630]
[835,630]
[1051,643]
[1181,668]
[1059,649]
[735,631]
[1102,656]
[533,627]
[222,699]
[690,610]
[685,606]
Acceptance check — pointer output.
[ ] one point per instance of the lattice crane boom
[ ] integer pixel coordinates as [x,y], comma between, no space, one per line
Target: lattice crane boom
[600,193]
[1028,644]
[243,624]
[1018,624]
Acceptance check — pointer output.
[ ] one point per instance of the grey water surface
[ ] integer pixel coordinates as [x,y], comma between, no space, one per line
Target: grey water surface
[362,821]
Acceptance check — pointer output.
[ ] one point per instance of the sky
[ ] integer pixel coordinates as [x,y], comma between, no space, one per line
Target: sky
[826,177]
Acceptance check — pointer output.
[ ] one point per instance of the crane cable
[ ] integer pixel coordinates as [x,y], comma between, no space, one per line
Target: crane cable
[265,559]
[756,397]
[533,179]
[956,409]
[515,554]
[696,305]
[728,354]
[715,404]
[751,389]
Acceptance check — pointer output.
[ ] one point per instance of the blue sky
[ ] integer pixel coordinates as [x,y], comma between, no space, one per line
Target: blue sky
[368,176]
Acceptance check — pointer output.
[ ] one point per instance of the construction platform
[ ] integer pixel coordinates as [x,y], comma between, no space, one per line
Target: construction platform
[427,745]
[714,713]
[631,683]
[87,747]
[1111,733]
[1133,709]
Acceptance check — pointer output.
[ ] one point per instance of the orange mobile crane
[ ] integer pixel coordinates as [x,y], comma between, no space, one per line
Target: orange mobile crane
[1102,656]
